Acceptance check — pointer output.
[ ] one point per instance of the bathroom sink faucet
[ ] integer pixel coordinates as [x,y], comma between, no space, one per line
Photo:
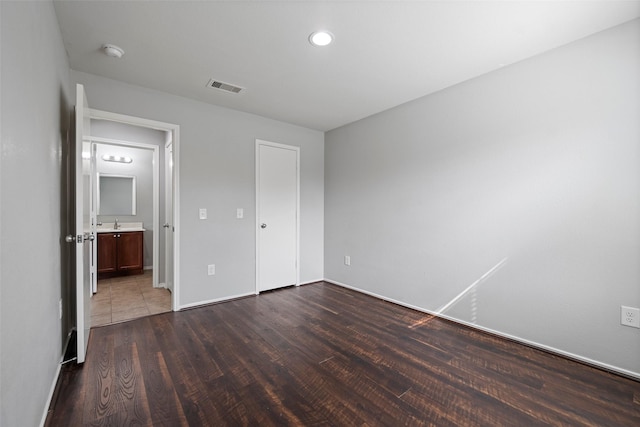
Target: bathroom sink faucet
[115,224]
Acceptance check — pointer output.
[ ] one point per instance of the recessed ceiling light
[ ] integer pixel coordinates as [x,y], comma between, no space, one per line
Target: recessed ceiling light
[321,38]
[112,50]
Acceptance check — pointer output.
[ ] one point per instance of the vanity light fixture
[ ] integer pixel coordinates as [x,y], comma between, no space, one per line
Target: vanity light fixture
[321,38]
[117,159]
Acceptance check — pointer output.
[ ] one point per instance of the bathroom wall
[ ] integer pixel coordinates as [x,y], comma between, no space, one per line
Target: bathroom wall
[142,168]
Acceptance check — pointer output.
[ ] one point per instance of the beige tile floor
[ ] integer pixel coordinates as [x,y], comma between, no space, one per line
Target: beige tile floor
[125,298]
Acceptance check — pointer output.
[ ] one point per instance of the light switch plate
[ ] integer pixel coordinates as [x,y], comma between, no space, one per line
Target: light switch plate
[203,213]
[240,213]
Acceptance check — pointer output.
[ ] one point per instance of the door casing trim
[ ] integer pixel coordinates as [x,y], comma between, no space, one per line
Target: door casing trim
[175,135]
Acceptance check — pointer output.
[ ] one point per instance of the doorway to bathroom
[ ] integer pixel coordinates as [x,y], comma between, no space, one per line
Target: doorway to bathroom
[131,183]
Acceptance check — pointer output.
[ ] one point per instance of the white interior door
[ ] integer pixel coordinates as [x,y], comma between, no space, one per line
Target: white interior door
[168,225]
[84,235]
[277,182]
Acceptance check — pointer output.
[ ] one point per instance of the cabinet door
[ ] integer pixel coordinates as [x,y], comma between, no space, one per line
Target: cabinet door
[130,251]
[107,249]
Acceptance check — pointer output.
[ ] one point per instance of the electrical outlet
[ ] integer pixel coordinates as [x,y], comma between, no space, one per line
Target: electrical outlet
[347,260]
[211,269]
[239,213]
[60,309]
[630,316]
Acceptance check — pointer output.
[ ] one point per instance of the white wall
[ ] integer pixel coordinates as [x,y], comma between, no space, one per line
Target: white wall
[34,269]
[217,172]
[538,164]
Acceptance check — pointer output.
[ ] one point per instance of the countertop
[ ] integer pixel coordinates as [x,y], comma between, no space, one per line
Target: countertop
[123,227]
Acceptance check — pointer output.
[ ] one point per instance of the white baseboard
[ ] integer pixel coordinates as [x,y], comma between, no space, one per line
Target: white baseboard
[215,300]
[308,282]
[50,396]
[229,298]
[568,355]
[55,381]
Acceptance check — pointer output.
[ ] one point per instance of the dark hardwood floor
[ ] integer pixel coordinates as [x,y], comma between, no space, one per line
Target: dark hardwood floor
[323,355]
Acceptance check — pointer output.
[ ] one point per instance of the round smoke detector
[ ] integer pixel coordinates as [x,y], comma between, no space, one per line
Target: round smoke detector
[112,50]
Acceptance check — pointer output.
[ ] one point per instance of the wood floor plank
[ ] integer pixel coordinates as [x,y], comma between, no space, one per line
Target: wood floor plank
[164,404]
[196,403]
[322,355]
[130,391]
[100,398]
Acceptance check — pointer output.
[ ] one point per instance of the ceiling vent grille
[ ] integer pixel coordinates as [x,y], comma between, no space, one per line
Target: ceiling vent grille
[216,84]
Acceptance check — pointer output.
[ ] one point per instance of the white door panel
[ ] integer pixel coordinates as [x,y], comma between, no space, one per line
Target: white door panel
[277,219]
[83,227]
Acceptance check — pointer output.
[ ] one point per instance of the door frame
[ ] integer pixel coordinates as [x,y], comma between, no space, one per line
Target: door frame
[155,200]
[168,226]
[174,130]
[260,142]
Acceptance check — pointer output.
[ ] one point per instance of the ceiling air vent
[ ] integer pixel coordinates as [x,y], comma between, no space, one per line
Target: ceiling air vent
[215,84]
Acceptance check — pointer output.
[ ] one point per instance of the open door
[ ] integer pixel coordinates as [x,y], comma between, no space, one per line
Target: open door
[84,235]
[168,224]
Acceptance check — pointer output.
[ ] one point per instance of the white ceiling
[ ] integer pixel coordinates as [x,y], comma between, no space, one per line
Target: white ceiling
[385,52]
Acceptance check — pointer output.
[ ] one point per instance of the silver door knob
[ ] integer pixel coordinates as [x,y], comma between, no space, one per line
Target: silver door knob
[89,237]
[263,225]
[166,225]
[70,238]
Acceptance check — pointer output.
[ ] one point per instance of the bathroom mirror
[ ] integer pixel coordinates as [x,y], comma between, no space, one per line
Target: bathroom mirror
[116,194]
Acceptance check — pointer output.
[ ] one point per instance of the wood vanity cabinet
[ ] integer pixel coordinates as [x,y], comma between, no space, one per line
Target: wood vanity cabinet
[120,253]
